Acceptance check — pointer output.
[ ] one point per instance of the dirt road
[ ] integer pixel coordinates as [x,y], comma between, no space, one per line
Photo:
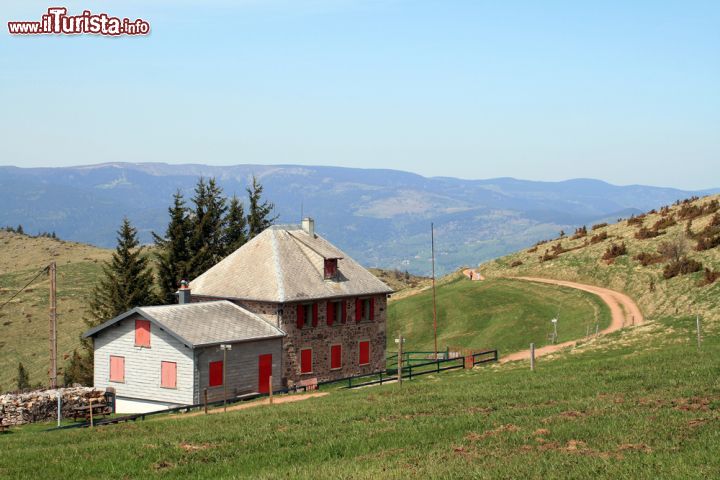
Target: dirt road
[623,310]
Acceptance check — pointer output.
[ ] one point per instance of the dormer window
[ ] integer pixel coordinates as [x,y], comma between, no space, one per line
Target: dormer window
[331,268]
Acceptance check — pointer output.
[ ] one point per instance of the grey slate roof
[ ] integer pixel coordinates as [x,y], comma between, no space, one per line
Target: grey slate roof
[202,323]
[285,264]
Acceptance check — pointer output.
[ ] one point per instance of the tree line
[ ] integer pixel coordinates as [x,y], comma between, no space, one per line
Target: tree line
[197,237]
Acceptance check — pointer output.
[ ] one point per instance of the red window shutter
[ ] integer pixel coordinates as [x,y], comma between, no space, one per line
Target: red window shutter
[315,314]
[330,313]
[117,369]
[300,316]
[335,356]
[216,373]
[306,360]
[168,374]
[364,353]
[142,333]
[372,309]
[358,310]
[344,311]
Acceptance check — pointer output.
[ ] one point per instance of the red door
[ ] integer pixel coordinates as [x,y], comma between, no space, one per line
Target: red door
[264,372]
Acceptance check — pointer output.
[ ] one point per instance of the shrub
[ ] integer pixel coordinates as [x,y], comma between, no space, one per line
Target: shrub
[647,258]
[706,243]
[683,266]
[516,263]
[599,225]
[645,233]
[615,250]
[579,233]
[533,249]
[599,237]
[709,278]
[665,222]
[689,211]
[674,248]
[636,220]
[715,220]
[711,207]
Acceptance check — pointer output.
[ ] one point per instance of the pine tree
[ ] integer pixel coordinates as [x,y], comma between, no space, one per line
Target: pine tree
[173,255]
[235,235]
[206,240]
[20,230]
[23,379]
[259,214]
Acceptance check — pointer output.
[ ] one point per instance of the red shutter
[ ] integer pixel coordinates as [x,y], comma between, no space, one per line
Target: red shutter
[364,353]
[358,310]
[117,369]
[300,316]
[216,373]
[330,313]
[335,357]
[315,314]
[168,374]
[344,311]
[306,360]
[142,333]
[372,309]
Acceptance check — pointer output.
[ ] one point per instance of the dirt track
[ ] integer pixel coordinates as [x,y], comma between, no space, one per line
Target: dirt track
[623,310]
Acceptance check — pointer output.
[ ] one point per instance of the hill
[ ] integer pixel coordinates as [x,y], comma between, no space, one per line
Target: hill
[380,217]
[500,314]
[24,321]
[651,241]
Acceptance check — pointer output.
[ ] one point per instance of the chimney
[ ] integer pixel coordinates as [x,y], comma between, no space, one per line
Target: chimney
[308,225]
[183,293]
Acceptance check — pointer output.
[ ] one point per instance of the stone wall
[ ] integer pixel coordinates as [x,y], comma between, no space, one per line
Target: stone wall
[41,405]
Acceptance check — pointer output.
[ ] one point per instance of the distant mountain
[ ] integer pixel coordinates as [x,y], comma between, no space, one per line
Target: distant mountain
[380,217]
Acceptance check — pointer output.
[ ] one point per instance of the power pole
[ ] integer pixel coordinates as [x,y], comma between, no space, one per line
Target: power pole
[432,246]
[52,272]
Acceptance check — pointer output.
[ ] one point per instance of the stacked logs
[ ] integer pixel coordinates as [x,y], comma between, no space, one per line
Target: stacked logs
[41,405]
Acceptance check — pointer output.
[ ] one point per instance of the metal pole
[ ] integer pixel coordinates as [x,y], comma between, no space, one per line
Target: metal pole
[52,272]
[224,379]
[432,244]
[59,407]
[91,413]
[400,348]
[532,357]
[697,324]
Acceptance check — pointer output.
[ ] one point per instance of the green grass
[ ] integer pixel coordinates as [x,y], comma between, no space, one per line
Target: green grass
[503,314]
[641,403]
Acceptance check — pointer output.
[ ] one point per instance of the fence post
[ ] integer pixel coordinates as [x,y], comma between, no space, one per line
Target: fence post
[437,364]
[270,390]
[532,357]
[91,413]
[697,325]
[205,397]
[349,382]
[409,371]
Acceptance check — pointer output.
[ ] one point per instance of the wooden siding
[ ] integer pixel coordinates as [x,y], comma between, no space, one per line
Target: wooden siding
[242,367]
[143,365]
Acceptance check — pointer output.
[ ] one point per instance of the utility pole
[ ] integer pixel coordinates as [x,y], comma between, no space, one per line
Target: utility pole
[400,341]
[52,273]
[225,348]
[432,246]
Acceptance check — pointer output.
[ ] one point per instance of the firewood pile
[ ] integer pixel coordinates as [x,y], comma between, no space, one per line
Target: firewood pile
[41,405]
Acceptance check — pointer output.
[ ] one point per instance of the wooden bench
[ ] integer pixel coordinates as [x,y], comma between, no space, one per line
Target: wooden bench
[98,409]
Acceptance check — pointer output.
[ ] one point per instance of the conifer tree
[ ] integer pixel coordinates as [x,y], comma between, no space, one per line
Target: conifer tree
[206,239]
[259,214]
[173,255]
[235,235]
[23,379]
[20,230]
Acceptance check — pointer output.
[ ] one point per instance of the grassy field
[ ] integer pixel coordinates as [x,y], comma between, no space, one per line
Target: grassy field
[640,403]
[656,296]
[24,323]
[503,314]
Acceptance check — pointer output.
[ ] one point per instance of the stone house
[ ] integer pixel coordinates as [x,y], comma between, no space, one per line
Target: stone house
[288,302]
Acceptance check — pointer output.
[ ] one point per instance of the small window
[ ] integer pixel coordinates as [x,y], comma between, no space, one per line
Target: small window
[117,369]
[168,374]
[364,353]
[334,313]
[216,374]
[306,360]
[142,333]
[335,357]
[364,309]
[330,268]
[308,314]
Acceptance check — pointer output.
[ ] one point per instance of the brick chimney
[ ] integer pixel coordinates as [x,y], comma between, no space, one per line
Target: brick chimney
[183,293]
[308,225]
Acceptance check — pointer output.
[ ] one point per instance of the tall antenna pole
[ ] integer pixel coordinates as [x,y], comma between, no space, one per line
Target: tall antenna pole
[432,243]
[52,272]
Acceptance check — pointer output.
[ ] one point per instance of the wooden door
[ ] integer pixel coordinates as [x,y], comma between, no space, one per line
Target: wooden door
[264,372]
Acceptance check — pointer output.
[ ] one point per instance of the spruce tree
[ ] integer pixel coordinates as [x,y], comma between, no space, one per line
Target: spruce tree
[173,255]
[20,230]
[206,240]
[23,379]
[259,215]
[235,235]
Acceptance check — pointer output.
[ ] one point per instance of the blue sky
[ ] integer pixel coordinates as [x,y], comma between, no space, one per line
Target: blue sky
[545,90]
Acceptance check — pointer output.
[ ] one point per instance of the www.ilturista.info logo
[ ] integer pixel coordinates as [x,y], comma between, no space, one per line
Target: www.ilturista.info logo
[57,21]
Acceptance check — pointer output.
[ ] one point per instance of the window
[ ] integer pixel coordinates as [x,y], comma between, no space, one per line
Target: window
[306,360]
[364,353]
[330,268]
[315,314]
[216,374]
[364,309]
[117,369]
[306,314]
[334,312]
[168,374]
[335,357]
[343,307]
[142,333]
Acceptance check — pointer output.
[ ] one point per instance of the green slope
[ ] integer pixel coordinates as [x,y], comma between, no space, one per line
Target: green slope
[503,314]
